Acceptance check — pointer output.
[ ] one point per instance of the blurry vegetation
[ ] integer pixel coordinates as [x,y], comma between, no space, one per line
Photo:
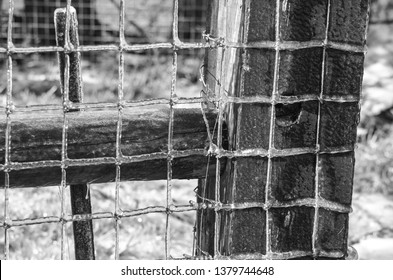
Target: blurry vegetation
[36,80]
[140,237]
[374,157]
[381,12]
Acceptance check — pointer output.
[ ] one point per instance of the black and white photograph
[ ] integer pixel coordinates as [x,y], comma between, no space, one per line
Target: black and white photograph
[215,130]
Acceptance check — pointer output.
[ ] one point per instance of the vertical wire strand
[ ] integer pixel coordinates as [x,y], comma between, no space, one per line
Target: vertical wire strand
[9,110]
[217,197]
[211,151]
[222,103]
[271,131]
[64,158]
[317,144]
[120,97]
[67,45]
[117,211]
[6,217]
[169,201]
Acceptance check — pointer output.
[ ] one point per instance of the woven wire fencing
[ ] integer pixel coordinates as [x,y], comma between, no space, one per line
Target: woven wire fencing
[145,21]
[270,138]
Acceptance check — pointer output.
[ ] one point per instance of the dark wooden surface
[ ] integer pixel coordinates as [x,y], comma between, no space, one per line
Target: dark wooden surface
[80,193]
[37,136]
[83,230]
[250,72]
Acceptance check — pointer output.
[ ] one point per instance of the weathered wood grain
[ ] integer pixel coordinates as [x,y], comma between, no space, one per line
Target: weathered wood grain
[80,193]
[37,136]
[269,72]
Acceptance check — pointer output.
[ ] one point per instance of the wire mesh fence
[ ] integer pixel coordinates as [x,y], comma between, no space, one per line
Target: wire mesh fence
[57,165]
[273,111]
[145,21]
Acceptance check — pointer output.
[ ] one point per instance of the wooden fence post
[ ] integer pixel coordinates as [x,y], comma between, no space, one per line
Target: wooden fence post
[80,193]
[288,76]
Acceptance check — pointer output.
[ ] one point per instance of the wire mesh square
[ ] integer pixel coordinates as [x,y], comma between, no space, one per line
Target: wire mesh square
[46,246]
[100,77]
[143,237]
[23,207]
[147,75]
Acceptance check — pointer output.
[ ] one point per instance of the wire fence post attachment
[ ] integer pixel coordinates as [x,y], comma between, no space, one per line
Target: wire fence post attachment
[288,80]
[70,74]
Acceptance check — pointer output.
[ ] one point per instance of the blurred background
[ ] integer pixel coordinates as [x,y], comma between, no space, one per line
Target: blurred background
[148,75]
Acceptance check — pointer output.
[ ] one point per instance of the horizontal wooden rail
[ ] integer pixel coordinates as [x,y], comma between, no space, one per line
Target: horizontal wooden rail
[91,135]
